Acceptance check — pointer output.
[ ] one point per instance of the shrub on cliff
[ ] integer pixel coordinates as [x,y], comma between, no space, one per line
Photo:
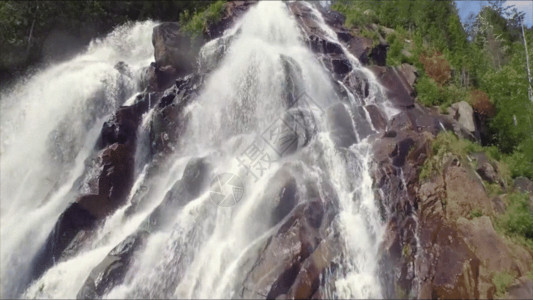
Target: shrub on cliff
[517,220]
[481,103]
[436,67]
[195,23]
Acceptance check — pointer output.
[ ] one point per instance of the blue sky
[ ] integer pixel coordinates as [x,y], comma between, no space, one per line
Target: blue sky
[467,7]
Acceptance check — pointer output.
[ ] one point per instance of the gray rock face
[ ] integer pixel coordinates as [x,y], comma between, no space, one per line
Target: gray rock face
[171,47]
[399,82]
[522,289]
[464,114]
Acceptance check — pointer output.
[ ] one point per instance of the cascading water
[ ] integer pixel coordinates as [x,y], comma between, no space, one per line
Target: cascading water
[50,122]
[268,83]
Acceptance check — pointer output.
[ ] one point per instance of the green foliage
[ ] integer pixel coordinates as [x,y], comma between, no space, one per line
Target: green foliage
[406,250]
[428,92]
[512,122]
[501,281]
[475,213]
[356,15]
[397,46]
[493,189]
[530,272]
[196,23]
[519,163]
[488,58]
[518,217]
[445,143]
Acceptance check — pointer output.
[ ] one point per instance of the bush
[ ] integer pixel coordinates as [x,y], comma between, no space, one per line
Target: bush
[428,92]
[357,13]
[519,164]
[518,217]
[481,103]
[475,213]
[397,44]
[437,67]
[501,281]
[196,23]
[443,144]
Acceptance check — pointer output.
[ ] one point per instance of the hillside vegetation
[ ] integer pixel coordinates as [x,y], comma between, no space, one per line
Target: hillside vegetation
[482,62]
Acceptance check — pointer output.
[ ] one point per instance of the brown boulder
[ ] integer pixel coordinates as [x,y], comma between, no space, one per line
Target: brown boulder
[465,193]
[494,252]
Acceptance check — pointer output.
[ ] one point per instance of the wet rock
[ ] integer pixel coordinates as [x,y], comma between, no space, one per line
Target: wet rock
[321,45]
[340,66]
[117,175]
[149,78]
[340,126]
[168,120]
[401,150]
[172,48]
[379,54]
[360,47]
[194,181]
[112,270]
[73,220]
[307,280]
[286,200]
[398,83]
[357,82]
[287,265]
[362,122]
[212,53]
[401,122]
[376,116]
[122,127]
[332,18]
[292,90]
[116,163]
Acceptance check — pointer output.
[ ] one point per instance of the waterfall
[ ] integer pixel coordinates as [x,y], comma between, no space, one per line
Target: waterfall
[263,128]
[49,125]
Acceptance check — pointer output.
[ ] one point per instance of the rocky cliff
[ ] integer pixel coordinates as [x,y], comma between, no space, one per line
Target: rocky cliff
[441,240]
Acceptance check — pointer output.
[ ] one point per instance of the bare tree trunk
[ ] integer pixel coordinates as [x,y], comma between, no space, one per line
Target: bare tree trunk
[31,29]
[530,92]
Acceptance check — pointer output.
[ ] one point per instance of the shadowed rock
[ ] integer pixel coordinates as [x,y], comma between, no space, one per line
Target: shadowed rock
[341,127]
[398,84]
[112,270]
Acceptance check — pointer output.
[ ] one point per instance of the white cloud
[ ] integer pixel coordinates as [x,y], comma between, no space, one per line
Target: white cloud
[526,7]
